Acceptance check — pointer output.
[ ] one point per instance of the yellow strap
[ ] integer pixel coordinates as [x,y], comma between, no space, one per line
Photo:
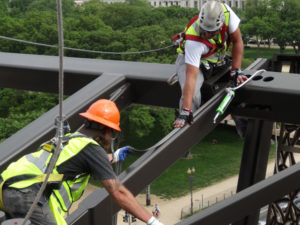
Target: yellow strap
[52,177]
[41,178]
[1,199]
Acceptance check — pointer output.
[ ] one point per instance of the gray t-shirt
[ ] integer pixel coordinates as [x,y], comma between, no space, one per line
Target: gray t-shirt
[93,160]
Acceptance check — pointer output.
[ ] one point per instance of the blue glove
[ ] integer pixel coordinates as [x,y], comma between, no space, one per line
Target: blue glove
[121,154]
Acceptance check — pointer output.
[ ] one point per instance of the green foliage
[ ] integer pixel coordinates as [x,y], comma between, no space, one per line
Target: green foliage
[3,7]
[140,121]
[273,20]
[17,121]
[145,125]
[21,7]
[18,108]
[142,3]
[133,25]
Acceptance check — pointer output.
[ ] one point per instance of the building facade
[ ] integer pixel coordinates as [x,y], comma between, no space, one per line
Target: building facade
[183,3]
[195,3]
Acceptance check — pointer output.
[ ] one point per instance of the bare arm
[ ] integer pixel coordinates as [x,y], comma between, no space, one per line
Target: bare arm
[123,197]
[189,86]
[237,49]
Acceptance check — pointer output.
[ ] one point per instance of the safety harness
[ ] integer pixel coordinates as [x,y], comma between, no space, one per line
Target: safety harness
[34,167]
[192,32]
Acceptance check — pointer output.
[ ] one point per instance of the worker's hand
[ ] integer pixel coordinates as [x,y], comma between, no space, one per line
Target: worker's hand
[185,116]
[121,154]
[154,221]
[238,76]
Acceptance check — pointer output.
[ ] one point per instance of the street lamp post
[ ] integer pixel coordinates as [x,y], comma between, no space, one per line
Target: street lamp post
[191,172]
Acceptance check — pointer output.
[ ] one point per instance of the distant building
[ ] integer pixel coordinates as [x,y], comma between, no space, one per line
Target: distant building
[195,3]
[78,2]
[183,3]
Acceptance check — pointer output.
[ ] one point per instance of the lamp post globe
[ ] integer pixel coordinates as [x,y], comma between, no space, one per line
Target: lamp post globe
[191,172]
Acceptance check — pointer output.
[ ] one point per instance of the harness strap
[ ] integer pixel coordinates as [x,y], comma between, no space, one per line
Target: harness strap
[40,178]
[1,199]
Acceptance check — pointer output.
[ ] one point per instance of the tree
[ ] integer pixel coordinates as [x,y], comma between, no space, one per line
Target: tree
[3,8]
[141,3]
[19,7]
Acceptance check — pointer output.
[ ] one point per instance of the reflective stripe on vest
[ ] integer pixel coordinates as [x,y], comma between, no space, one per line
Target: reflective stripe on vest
[217,48]
[36,164]
[40,162]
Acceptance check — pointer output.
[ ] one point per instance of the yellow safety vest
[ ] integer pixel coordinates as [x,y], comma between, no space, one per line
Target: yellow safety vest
[35,165]
[217,47]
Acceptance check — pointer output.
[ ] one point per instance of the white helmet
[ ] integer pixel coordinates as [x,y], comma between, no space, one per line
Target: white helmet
[211,16]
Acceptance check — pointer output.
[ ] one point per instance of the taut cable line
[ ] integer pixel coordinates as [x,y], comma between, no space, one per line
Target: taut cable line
[59,123]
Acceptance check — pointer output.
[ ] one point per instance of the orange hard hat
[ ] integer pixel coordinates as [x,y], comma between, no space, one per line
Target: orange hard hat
[104,112]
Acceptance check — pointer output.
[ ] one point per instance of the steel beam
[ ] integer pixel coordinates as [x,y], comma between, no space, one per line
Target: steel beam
[254,160]
[293,60]
[269,97]
[149,166]
[249,200]
[265,98]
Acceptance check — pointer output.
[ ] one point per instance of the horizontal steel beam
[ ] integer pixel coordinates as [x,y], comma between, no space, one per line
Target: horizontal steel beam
[270,96]
[40,72]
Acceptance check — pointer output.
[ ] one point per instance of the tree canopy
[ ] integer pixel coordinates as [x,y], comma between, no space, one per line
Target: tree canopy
[273,20]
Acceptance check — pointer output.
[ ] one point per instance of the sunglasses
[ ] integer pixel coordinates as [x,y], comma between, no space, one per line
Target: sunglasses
[210,32]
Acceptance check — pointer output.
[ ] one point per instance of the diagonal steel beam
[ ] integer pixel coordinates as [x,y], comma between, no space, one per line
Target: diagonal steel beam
[149,166]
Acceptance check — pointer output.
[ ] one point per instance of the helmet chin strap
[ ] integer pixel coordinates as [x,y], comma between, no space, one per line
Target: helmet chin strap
[112,147]
[113,143]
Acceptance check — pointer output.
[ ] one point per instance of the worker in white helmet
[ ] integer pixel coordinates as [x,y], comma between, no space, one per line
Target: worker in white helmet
[202,48]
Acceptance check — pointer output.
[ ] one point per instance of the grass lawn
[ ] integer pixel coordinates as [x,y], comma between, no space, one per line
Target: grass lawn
[253,53]
[212,162]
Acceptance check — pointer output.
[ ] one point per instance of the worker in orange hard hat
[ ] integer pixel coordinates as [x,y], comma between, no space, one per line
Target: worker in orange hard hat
[83,155]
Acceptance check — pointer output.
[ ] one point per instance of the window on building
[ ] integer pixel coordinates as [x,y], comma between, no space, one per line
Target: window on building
[154,3]
[236,4]
[230,3]
[195,4]
[187,4]
[159,3]
[243,5]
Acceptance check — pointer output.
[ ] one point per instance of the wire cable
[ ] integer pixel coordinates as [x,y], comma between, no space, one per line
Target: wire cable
[230,95]
[60,131]
[84,50]
[258,72]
